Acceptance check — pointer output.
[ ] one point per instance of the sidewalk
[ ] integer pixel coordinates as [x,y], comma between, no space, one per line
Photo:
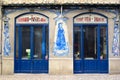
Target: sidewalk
[60,77]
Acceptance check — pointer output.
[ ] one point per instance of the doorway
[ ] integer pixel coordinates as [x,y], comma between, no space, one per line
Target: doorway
[90,48]
[32,48]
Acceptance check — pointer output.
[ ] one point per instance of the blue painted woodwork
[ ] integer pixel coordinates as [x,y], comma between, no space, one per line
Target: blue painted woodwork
[40,69]
[78,68]
[91,66]
[30,65]
[103,68]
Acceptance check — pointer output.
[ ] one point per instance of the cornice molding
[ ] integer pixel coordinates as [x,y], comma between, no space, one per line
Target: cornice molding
[62,2]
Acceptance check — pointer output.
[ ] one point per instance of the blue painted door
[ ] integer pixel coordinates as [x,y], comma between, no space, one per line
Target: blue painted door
[31,54]
[90,49]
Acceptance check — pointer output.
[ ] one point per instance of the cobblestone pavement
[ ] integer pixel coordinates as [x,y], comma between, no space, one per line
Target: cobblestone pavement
[60,77]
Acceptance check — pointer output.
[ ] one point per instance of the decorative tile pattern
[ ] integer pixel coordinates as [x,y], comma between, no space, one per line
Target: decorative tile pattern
[7,47]
[61,37]
[115,47]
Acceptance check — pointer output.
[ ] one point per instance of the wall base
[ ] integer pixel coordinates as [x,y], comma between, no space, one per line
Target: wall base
[7,66]
[0,68]
[114,66]
[61,66]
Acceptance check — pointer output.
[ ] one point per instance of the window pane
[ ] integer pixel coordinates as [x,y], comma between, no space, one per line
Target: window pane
[37,42]
[77,40]
[90,40]
[103,47]
[47,43]
[17,39]
[26,43]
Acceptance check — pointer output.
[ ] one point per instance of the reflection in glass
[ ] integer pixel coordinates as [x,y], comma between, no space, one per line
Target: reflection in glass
[17,39]
[103,47]
[26,43]
[90,40]
[37,42]
[77,40]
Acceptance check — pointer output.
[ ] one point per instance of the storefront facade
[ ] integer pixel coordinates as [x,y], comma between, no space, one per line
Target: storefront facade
[59,39]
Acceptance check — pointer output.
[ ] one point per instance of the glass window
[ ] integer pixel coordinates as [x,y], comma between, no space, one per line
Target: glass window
[77,40]
[91,36]
[17,39]
[30,42]
[37,42]
[103,47]
[47,43]
[26,43]
[90,40]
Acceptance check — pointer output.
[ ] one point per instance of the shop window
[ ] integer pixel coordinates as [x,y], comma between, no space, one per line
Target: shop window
[38,42]
[103,44]
[17,39]
[90,40]
[77,41]
[26,43]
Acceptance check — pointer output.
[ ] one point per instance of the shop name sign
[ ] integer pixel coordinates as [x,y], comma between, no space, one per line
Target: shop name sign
[90,18]
[32,19]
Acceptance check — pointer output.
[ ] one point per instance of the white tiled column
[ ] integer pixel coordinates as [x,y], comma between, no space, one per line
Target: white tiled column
[114,61]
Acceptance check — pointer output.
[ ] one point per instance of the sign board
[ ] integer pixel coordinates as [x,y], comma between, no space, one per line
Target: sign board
[90,19]
[32,19]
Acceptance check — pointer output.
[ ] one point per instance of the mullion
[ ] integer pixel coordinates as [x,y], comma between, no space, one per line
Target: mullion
[98,42]
[43,42]
[82,42]
[82,47]
[20,42]
[107,42]
[31,41]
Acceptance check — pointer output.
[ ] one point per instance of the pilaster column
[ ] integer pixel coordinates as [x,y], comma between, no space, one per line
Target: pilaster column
[119,29]
[0,37]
